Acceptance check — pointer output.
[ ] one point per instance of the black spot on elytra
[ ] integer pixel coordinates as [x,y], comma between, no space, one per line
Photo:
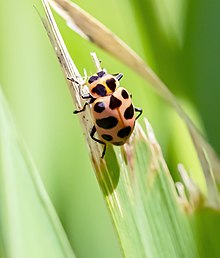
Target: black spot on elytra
[111,83]
[107,123]
[92,79]
[114,102]
[124,94]
[99,107]
[124,132]
[129,112]
[107,137]
[100,90]
[100,74]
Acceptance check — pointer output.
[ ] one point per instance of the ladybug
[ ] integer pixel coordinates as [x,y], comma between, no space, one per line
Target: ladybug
[112,109]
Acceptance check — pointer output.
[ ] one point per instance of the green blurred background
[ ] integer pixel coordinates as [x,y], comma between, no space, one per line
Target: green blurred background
[180,40]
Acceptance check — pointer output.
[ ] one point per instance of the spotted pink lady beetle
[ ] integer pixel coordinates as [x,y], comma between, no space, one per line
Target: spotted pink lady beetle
[112,109]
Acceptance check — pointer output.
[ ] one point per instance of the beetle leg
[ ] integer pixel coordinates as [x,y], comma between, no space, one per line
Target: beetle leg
[83,109]
[72,80]
[84,78]
[97,140]
[90,101]
[86,96]
[75,81]
[138,110]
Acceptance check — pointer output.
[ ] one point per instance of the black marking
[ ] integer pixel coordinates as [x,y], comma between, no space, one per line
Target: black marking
[72,79]
[111,83]
[100,90]
[92,79]
[124,94]
[118,143]
[114,102]
[138,110]
[97,140]
[99,107]
[100,74]
[129,112]
[124,132]
[83,109]
[107,137]
[92,100]
[107,123]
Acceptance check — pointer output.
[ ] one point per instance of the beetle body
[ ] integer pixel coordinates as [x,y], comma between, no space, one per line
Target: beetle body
[114,117]
[112,109]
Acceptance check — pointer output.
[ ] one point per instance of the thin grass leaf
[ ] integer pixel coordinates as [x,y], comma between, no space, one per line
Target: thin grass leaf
[29,224]
[97,33]
[70,71]
[104,172]
[153,216]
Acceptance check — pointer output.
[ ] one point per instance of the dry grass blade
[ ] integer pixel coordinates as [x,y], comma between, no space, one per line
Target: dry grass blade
[68,67]
[104,170]
[96,32]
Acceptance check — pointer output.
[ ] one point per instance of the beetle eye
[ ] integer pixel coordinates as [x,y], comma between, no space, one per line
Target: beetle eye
[101,74]
[92,79]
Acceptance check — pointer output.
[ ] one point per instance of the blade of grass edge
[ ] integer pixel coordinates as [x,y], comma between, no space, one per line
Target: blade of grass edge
[30,226]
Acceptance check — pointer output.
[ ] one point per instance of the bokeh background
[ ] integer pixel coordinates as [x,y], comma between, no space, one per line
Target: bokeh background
[180,39]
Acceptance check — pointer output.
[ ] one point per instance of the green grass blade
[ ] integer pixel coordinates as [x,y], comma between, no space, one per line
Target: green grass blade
[152,218]
[29,225]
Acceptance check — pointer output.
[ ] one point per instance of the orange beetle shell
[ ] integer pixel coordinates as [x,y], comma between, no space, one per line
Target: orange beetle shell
[114,117]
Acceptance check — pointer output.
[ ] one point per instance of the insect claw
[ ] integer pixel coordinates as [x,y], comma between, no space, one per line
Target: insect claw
[72,80]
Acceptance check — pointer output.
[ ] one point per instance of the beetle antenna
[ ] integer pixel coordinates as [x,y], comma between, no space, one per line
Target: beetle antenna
[119,76]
